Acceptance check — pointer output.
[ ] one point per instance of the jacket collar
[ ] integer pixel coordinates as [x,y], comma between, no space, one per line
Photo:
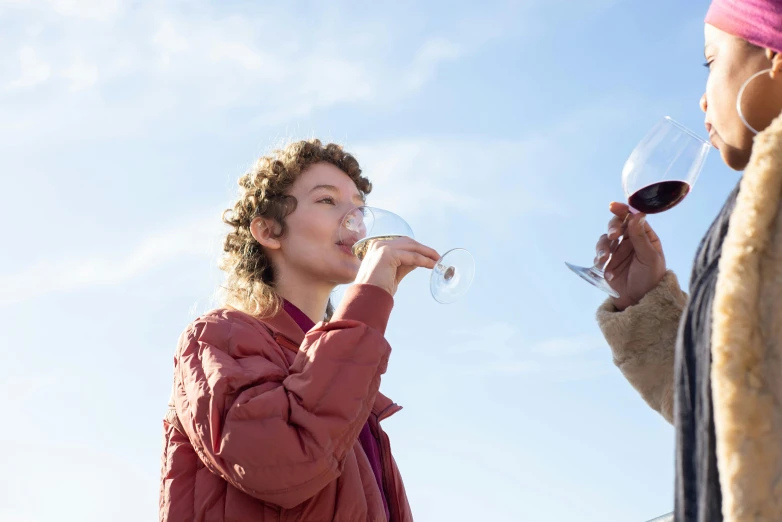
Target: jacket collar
[746,340]
[283,325]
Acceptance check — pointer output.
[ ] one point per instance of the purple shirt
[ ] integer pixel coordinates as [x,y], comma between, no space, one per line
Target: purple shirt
[368,441]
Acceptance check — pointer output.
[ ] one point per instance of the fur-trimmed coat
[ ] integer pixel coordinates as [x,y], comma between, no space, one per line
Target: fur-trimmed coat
[746,348]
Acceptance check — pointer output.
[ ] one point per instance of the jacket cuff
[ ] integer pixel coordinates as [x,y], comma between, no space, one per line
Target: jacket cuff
[657,311]
[368,304]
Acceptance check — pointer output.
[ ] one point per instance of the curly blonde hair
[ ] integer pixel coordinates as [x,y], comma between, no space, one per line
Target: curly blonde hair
[249,284]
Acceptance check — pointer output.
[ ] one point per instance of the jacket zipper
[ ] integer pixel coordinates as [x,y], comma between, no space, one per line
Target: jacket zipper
[286,343]
[389,484]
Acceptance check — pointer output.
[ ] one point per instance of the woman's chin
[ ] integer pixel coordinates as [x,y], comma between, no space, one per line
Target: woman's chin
[734,158]
[346,276]
[346,281]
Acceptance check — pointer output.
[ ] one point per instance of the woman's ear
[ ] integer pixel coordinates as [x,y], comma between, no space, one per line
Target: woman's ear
[264,232]
[776,62]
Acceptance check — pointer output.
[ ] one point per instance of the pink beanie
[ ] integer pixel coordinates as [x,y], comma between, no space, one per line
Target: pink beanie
[757,21]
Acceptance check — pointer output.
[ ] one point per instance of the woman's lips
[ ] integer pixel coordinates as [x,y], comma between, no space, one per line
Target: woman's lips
[346,249]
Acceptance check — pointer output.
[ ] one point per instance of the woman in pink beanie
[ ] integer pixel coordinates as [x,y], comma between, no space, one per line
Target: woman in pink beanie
[710,360]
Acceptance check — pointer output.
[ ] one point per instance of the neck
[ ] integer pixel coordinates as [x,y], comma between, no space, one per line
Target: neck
[311,297]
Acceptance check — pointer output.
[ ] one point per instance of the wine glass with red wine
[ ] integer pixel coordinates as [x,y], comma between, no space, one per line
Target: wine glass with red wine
[656,177]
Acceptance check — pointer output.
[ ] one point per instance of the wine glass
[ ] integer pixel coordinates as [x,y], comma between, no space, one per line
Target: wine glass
[451,277]
[656,177]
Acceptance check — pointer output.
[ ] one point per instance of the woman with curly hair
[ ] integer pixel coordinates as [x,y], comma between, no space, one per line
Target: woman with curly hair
[711,362]
[275,410]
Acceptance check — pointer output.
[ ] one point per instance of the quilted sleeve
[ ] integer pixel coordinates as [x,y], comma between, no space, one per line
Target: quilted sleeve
[276,433]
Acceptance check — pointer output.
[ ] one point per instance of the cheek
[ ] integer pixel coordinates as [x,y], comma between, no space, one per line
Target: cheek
[722,93]
[717,104]
[313,228]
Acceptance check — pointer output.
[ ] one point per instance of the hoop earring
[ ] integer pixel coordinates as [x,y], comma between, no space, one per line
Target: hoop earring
[741,93]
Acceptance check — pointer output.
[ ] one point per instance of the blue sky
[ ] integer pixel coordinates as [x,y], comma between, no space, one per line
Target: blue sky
[500,127]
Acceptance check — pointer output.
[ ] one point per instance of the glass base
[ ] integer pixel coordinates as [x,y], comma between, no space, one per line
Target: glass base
[594,277]
[452,276]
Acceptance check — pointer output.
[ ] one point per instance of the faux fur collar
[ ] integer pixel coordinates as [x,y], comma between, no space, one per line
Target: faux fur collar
[746,347]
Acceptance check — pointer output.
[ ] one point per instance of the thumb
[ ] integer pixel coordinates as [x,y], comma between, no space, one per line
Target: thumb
[642,245]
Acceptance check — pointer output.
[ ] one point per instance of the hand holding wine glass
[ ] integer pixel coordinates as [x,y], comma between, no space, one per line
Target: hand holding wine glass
[638,264]
[369,233]
[387,262]
[657,176]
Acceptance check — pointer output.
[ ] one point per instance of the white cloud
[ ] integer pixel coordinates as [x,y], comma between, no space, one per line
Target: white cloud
[561,371]
[504,350]
[429,56]
[569,346]
[194,238]
[159,67]
[505,340]
[497,337]
[493,181]
[476,177]
[93,10]
[33,70]
[411,176]
[169,41]
[100,10]
[238,53]
[81,75]
[156,65]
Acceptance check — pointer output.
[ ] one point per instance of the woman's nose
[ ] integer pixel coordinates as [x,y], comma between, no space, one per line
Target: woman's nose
[704,103]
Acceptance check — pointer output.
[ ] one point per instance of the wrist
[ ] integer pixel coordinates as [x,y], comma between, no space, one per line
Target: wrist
[622,304]
[368,279]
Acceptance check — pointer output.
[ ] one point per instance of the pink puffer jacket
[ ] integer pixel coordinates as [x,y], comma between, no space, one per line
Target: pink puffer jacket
[264,422]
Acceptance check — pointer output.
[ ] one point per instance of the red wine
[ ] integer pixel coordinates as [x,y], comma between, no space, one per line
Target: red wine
[659,197]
